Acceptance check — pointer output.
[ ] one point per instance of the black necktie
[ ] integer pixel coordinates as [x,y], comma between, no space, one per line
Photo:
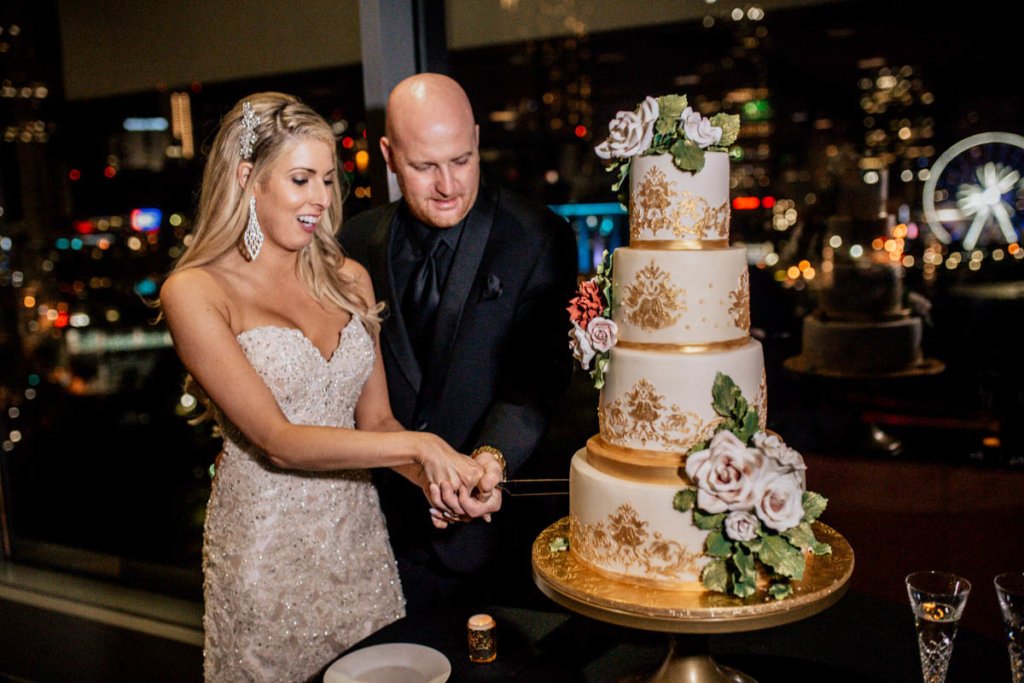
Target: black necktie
[422,294]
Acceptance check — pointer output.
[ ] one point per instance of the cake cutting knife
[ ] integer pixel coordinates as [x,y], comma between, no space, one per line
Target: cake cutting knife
[535,487]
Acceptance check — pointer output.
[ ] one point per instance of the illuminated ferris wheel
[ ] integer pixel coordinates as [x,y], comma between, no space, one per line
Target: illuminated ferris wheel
[974,194]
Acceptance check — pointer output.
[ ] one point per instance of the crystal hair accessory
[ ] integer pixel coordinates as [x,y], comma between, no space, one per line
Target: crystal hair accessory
[247,141]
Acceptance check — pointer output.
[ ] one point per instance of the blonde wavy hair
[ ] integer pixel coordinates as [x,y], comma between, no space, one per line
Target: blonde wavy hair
[224,204]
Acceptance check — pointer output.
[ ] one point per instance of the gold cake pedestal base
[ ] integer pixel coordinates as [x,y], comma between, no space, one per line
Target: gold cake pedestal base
[571,584]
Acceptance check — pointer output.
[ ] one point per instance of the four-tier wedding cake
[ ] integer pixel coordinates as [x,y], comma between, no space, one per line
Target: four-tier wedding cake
[682,488]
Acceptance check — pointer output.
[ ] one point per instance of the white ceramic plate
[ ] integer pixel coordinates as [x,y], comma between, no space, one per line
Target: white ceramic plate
[390,663]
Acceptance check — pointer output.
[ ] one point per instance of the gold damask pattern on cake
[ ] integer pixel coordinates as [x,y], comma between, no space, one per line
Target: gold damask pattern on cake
[692,217]
[702,218]
[644,417]
[651,302]
[647,208]
[740,308]
[624,539]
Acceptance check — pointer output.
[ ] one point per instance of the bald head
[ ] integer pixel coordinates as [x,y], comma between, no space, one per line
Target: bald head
[432,147]
[427,101]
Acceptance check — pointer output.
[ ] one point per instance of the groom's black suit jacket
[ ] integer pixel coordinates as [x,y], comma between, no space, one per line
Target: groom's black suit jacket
[499,359]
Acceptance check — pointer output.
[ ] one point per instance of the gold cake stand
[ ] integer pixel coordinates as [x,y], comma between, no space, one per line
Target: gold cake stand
[571,584]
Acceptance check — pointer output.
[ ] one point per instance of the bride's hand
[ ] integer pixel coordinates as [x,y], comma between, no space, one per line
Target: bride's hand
[446,472]
[475,505]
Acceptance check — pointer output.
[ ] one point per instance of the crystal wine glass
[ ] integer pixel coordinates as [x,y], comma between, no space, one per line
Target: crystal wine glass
[938,600]
[1010,588]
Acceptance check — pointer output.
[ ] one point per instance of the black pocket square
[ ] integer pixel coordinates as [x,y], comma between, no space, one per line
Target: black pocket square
[491,287]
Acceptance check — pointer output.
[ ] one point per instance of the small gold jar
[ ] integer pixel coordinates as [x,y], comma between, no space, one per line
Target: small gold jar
[480,630]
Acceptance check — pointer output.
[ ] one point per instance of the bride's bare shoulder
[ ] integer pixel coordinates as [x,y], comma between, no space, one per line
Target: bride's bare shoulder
[198,287]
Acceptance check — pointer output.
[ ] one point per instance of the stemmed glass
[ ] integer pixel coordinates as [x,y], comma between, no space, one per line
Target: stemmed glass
[1010,588]
[938,600]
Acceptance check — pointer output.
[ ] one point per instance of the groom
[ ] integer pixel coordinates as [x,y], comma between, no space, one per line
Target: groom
[476,280]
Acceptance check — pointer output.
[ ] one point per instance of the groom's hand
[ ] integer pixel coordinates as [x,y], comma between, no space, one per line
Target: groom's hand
[492,476]
[486,496]
[474,506]
[479,504]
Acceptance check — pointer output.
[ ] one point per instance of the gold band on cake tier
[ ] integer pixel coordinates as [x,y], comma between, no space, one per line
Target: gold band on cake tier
[653,467]
[708,347]
[678,245]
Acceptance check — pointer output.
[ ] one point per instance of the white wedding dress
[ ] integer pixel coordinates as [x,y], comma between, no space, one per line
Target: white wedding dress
[297,566]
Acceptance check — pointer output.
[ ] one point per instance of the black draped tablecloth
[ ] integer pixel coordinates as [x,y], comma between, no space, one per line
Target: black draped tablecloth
[860,639]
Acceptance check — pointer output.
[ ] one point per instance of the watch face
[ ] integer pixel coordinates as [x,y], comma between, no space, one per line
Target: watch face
[974,196]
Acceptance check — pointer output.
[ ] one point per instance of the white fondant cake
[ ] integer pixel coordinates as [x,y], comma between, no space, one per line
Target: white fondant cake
[627,529]
[861,346]
[681,296]
[861,325]
[681,305]
[666,204]
[682,489]
[660,399]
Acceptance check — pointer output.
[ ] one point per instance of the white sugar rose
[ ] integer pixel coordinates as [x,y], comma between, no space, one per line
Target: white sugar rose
[603,333]
[781,457]
[780,506]
[741,526]
[630,132]
[726,474]
[699,129]
[579,342]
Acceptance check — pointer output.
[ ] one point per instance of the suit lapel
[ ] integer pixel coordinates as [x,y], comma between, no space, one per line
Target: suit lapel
[461,276]
[393,328]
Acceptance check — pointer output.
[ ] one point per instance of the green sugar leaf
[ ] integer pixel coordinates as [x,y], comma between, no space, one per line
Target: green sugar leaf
[623,170]
[664,125]
[687,156]
[724,395]
[753,546]
[780,590]
[743,589]
[745,564]
[814,504]
[600,367]
[717,545]
[744,581]
[671,107]
[559,544]
[684,500]
[801,535]
[715,576]
[780,555]
[730,125]
[749,427]
[708,522]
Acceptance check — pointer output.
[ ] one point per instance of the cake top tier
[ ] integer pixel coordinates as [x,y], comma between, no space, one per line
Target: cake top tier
[679,187]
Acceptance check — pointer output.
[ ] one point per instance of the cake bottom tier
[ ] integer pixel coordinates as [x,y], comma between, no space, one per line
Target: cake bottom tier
[861,347]
[627,529]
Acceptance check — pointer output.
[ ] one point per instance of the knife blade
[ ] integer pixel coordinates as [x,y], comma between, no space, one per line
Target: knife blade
[535,487]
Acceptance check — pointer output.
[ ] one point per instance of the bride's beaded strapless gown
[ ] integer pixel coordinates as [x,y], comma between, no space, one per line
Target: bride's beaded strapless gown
[297,566]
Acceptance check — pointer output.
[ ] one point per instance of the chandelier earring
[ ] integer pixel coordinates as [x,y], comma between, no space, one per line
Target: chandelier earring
[252,238]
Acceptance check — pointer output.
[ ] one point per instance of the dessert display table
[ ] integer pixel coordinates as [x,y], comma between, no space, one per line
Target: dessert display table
[850,388]
[576,587]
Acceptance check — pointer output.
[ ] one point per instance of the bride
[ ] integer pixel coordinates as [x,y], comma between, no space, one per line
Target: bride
[278,331]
